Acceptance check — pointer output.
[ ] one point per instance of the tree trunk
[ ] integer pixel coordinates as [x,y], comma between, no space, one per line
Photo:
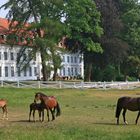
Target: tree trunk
[44,68]
[55,74]
[88,71]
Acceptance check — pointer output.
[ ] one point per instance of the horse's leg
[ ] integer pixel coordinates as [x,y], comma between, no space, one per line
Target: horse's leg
[124,112]
[52,112]
[6,111]
[3,110]
[137,117]
[39,112]
[48,114]
[30,114]
[42,115]
[34,115]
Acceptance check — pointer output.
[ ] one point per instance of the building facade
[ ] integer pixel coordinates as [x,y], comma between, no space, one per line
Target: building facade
[72,63]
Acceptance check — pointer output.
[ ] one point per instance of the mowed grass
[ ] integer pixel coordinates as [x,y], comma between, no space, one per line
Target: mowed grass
[86,115]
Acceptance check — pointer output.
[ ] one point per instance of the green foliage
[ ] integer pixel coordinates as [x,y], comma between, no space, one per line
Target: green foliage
[82,22]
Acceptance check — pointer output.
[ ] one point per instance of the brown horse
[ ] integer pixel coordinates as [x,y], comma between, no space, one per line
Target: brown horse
[50,103]
[34,107]
[132,104]
[3,105]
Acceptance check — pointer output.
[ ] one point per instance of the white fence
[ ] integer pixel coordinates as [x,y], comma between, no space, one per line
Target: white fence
[65,84]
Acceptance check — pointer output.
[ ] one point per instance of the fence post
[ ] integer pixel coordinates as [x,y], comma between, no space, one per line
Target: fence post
[82,85]
[1,83]
[38,84]
[104,85]
[60,84]
[18,83]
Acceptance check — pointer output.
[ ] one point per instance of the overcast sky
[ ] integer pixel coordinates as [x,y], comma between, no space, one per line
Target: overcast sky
[2,11]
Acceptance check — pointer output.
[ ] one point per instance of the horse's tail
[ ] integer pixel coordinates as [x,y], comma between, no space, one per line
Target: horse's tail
[118,108]
[58,113]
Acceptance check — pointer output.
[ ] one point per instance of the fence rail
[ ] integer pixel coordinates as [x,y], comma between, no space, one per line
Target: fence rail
[66,84]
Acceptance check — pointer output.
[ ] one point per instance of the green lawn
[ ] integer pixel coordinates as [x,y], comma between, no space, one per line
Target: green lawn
[86,115]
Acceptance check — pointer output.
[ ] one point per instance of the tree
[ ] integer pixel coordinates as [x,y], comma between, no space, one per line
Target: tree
[82,27]
[130,11]
[40,12]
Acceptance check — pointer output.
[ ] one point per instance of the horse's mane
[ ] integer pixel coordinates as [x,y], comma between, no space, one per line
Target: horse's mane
[42,94]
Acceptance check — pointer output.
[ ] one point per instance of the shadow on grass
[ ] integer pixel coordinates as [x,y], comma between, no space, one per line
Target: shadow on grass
[112,124]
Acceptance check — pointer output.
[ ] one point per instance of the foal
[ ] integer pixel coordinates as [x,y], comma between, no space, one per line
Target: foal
[34,107]
[3,105]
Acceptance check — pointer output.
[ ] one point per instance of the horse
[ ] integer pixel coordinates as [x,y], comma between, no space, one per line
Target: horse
[50,103]
[34,107]
[132,104]
[3,105]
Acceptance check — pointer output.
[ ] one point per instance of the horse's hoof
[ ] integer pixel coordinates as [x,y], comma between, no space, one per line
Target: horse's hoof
[125,122]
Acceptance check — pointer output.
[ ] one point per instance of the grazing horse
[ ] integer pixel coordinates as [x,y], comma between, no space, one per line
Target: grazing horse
[34,107]
[3,105]
[50,103]
[132,104]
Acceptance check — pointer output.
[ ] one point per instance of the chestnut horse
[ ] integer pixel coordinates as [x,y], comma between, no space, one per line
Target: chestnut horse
[33,108]
[3,105]
[50,103]
[132,104]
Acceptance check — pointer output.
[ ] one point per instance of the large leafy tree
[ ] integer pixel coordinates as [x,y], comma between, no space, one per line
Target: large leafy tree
[44,14]
[130,11]
[82,28]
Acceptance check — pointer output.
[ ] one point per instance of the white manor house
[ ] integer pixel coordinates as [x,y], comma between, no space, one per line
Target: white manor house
[72,62]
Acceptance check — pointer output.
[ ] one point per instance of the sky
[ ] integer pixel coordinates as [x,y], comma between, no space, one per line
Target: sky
[2,11]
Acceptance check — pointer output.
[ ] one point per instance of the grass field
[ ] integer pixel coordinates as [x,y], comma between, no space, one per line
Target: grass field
[86,115]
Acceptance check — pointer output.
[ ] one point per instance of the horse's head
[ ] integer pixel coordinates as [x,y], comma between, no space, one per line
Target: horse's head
[37,97]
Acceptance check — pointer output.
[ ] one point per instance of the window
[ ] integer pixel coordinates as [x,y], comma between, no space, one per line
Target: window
[68,59]
[64,72]
[68,71]
[6,71]
[19,72]
[63,58]
[75,59]
[71,71]
[75,71]
[25,72]
[12,56]
[35,71]
[71,59]
[12,71]
[80,59]
[0,56]
[30,71]
[0,71]
[5,56]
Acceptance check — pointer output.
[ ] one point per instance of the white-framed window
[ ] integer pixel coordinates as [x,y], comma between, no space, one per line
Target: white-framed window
[6,71]
[25,71]
[0,71]
[0,56]
[68,59]
[72,71]
[12,56]
[76,71]
[68,71]
[75,59]
[63,58]
[5,55]
[80,59]
[64,73]
[71,59]
[30,71]
[18,72]
[35,71]
[12,71]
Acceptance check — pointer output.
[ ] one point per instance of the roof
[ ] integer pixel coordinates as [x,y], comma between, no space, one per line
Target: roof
[5,30]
